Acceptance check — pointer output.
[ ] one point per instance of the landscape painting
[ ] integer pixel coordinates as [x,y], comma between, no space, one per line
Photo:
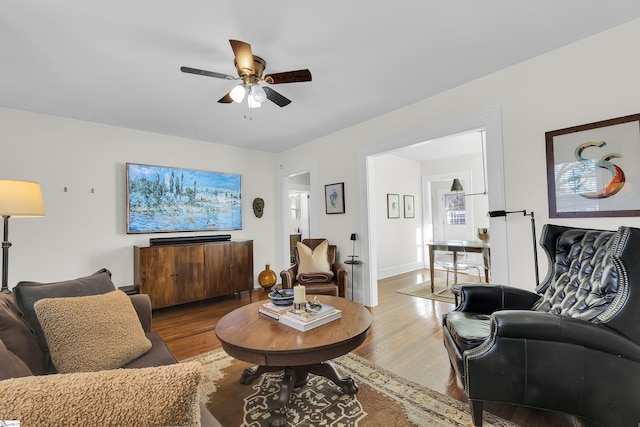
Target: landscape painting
[166,199]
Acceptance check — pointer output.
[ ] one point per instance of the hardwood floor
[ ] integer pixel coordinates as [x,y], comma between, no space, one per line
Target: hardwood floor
[405,338]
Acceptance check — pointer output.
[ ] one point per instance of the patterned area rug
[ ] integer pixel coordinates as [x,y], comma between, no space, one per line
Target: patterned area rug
[423,290]
[383,399]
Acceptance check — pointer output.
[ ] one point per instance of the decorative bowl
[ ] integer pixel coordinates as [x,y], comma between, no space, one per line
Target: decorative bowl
[278,299]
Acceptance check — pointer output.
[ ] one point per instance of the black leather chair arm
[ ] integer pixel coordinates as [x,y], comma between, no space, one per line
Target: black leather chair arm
[542,326]
[485,299]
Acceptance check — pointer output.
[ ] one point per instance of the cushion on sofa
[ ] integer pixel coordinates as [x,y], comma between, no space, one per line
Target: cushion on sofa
[12,366]
[157,396]
[91,333]
[25,294]
[18,337]
[314,263]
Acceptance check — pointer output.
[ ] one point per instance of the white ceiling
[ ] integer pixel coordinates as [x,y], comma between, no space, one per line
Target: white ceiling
[118,62]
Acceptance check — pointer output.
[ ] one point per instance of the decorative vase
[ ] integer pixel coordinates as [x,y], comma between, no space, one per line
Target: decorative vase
[267,277]
[483,234]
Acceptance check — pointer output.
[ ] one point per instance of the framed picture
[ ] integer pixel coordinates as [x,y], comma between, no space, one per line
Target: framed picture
[408,207]
[393,206]
[334,198]
[166,199]
[593,170]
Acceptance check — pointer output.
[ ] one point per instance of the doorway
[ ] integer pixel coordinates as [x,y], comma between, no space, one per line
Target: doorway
[297,202]
[299,195]
[492,123]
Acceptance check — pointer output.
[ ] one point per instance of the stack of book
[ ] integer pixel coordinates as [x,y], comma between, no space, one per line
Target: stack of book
[311,318]
[272,310]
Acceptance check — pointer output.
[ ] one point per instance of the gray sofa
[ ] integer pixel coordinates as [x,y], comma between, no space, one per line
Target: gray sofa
[21,337]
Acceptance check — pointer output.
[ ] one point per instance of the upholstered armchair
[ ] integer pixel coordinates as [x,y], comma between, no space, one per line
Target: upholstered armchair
[572,346]
[316,269]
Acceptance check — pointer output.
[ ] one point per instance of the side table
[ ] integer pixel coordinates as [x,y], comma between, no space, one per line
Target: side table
[352,262]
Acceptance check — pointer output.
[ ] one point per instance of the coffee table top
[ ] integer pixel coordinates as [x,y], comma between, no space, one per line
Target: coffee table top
[253,337]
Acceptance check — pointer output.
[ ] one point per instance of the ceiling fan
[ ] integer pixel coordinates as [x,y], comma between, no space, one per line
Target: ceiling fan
[250,69]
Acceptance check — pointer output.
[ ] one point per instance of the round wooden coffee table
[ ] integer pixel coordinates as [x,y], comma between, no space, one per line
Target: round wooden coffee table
[256,338]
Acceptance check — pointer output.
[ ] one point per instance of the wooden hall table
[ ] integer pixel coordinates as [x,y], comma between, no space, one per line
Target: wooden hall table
[248,335]
[456,246]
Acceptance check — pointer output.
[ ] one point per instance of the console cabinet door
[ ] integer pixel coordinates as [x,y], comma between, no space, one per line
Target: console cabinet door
[216,259]
[189,273]
[241,270]
[154,272]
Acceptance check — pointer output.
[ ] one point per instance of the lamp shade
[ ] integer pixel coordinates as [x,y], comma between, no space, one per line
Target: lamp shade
[456,186]
[20,199]
[258,93]
[238,93]
[251,101]
[353,236]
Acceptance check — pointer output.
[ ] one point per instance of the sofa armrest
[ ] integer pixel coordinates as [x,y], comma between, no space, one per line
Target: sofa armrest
[543,326]
[340,272]
[142,304]
[486,299]
[288,277]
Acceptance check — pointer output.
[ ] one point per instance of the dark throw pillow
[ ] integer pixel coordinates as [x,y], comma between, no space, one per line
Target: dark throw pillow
[25,295]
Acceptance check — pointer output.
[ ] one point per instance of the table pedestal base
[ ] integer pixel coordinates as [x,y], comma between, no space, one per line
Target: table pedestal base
[294,377]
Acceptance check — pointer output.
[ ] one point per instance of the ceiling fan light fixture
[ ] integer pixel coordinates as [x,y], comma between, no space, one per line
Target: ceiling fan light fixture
[250,69]
[258,93]
[251,101]
[238,93]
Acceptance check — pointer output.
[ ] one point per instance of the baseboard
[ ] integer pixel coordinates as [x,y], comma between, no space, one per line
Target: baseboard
[400,269]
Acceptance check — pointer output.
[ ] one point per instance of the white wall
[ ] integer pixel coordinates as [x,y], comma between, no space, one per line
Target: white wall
[401,245]
[593,79]
[84,231]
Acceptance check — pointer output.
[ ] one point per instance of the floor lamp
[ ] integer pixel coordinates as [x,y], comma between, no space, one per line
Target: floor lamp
[19,199]
[494,214]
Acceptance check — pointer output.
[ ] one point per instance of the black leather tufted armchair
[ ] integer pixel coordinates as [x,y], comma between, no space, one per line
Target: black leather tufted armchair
[572,346]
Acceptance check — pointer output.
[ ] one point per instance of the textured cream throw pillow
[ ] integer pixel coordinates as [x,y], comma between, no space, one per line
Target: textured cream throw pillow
[158,396]
[91,333]
[313,261]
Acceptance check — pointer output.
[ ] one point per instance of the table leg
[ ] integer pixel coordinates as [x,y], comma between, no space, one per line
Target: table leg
[279,412]
[431,261]
[328,370]
[487,267]
[250,374]
[455,265]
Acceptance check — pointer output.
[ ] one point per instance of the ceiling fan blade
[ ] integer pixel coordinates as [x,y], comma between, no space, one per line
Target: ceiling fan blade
[288,77]
[206,73]
[244,57]
[276,98]
[225,99]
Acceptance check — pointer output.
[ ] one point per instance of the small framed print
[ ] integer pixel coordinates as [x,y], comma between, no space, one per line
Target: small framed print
[334,198]
[393,206]
[408,207]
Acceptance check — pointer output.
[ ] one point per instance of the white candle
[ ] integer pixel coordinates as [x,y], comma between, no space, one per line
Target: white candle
[299,294]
